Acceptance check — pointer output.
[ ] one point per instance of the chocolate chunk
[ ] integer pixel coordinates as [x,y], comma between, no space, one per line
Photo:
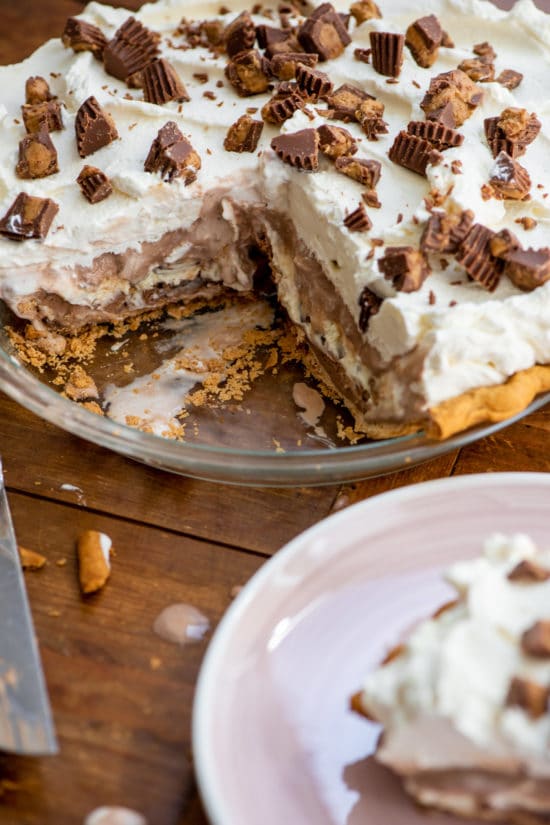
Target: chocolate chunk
[94,128]
[371,198]
[358,220]
[504,243]
[445,232]
[364,10]
[454,88]
[284,65]
[477,259]
[362,170]
[323,33]
[131,49]
[37,90]
[344,102]
[314,83]
[161,83]
[478,70]
[485,51]
[436,133]
[84,37]
[509,79]
[423,37]
[536,640]
[529,696]
[363,55]
[509,179]
[172,155]
[37,156]
[240,34]
[369,116]
[248,73]
[528,572]
[369,304]
[28,218]
[299,149]
[95,184]
[335,141]
[528,268]
[37,116]
[282,106]
[413,153]
[405,267]
[387,53]
[243,135]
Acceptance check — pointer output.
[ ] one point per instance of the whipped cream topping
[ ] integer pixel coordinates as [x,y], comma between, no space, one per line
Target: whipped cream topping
[443,699]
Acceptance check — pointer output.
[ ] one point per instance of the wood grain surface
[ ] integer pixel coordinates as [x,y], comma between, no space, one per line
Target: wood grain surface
[121,696]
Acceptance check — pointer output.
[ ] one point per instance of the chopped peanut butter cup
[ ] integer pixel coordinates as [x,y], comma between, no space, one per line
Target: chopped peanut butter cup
[504,243]
[243,135]
[335,142]
[172,155]
[440,136]
[344,102]
[38,116]
[131,49]
[512,131]
[240,35]
[387,53]
[37,90]
[362,170]
[28,218]
[528,269]
[454,89]
[528,571]
[445,232]
[413,153]
[369,116]
[364,10]
[478,70]
[475,255]
[529,696]
[282,106]
[509,79]
[509,179]
[283,66]
[161,83]
[298,149]
[37,156]
[424,38]
[84,37]
[358,220]
[405,267]
[536,641]
[314,83]
[249,73]
[94,128]
[94,184]
[369,303]
[324,33]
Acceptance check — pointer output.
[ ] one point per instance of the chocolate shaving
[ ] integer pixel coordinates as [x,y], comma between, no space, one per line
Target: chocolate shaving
[83,37]
[38,116]
[37,90]
[478,70]
[528,268]
[37,156]
[335,141]
[161,83]
[344,102]
[131,49]
[323,33]
[362,170]
[405,267]
[424,38]
[298,149]
[243,135]
[282,106]
[452,88]
[358,220]
[364,10]
[284,65]
[248,73]
[445,232]
[28,218]
[387,53]
[94,128]
[239,36]
[536,640]
[172,155]
[369,304]
[509,179]
[509,79]
[314,83]
[436,133]
[94,184]
[413,153]
[529,696]
[528,572]
[477,259]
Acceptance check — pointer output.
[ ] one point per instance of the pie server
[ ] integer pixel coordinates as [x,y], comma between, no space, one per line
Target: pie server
[26,725]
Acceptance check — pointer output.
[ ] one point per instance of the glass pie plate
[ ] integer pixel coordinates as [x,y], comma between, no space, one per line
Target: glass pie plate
[282,432]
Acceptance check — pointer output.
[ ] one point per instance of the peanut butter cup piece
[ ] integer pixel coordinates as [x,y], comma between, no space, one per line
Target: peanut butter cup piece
[282,106]
[529,696]
[240,34]
[37,90]
[440,136]
[248,73]
[445,232]
[94,184]
[536,641]
[452,88]
[509,179]
[314,83]
[28,218]
[478,69]
[475,255]
[509,79]
[269,37]
[298,149]
[512,131]
[369,303]
[528,269]
[243,135]
[405,267]
[369,116]
[358,220]
[413,153]
[283,66]
[344,102]
[362,170]
[423,37]
[161,83]
[324,33]
[364,10]
[528,571]
[131,49]
[335,142]
[172,155]
[504,243]
[94,128]
[37,156]
[47,115]
[485,51]
[387,53]
[83,37]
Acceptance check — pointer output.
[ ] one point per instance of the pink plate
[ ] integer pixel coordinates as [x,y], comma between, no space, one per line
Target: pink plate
[274,740]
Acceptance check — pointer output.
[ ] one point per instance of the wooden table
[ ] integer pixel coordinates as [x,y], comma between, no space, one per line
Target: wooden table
[121,696]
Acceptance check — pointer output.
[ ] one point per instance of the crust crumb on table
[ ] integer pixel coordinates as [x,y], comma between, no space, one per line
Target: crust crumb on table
[94,566]
[30,559]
